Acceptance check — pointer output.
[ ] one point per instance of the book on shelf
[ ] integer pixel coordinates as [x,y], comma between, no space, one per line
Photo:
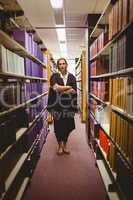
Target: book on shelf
[98,44]
[8,133]
[3,59]
[11,62]
[121,93]
[104,141]
[111,157]
[100,89]
[23,38]
[121,132]
[131,10]
[124,176]
[10,95]
[94,125]
[118,17]
[99,66]
[120,54]
[130,143]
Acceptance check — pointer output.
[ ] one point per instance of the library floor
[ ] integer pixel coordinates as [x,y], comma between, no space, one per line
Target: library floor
[67,177]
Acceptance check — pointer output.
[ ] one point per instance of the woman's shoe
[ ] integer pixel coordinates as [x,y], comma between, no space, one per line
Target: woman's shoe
[65,150]
[60,149]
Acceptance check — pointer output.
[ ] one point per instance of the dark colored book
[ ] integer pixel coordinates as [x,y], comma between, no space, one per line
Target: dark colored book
[124,177]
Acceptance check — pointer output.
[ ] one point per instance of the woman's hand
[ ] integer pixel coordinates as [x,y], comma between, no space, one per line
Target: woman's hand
[70,91]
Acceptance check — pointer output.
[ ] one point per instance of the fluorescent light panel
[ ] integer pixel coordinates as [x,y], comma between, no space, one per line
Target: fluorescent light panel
[56,3]
[64,54]
[63,47]
[61,33]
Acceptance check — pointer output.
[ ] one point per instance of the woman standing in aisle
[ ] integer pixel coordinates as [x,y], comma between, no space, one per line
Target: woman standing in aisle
[62,103]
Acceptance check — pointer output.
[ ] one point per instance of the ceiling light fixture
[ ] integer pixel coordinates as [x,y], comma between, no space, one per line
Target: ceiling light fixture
[56,3]
[63,49]
[61,33]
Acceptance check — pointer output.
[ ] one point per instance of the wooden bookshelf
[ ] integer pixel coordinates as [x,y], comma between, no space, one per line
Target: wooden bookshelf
[15,154]
[105,50]
[20,163]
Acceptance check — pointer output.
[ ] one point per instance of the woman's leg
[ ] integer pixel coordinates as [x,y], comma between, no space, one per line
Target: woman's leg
[59,137]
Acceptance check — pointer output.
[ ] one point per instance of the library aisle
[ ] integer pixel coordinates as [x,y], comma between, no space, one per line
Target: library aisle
[67,177]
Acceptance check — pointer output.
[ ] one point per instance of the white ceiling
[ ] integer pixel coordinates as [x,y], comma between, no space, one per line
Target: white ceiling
[41,14]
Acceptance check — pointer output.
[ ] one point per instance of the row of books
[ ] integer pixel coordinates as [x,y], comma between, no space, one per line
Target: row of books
[120,55]
[9,127]
[33,69]
[11,62]
[35,108]
[121,93]
[120,14]
[100,89]
[32,134]
[124,173]
[37,132]
[98,44]
[124,176]
[14,93]
[99,66]
[121,132]
[27,41]
[118,128]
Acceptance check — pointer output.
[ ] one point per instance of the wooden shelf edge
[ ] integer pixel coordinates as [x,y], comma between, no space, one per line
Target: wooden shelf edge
[22,188]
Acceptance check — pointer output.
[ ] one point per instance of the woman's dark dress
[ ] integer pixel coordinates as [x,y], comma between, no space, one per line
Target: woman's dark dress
[62,107]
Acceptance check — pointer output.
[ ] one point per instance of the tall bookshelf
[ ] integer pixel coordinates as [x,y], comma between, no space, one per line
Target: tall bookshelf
[23,114]
[111,96]
[80,73]
[51,68]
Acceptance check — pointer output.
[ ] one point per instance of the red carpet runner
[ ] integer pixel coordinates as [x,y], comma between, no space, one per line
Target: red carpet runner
[67,177]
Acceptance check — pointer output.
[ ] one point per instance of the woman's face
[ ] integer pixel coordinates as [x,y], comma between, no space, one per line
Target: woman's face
[62,66]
